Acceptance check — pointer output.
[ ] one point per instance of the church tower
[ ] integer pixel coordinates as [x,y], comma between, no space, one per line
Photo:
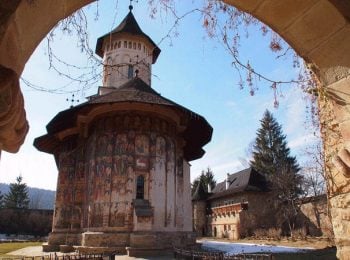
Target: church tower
[123,157]
[126,51]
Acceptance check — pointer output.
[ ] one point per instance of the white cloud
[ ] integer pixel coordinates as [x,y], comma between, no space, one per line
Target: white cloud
[302,141]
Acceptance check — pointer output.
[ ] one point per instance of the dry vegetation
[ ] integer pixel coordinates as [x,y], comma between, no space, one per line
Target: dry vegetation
[9,247]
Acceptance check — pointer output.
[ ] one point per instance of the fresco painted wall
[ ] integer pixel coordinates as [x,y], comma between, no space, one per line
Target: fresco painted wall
[97,178]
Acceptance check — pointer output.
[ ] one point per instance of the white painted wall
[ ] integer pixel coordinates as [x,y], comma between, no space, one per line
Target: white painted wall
[123,52]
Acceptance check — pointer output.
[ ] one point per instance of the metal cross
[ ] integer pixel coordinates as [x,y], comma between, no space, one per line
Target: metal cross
[72,100]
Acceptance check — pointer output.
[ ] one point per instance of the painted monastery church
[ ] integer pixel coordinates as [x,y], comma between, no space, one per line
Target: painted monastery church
[123,156]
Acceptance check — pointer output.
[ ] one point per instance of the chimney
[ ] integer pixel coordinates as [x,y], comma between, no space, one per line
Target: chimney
[227,181]
[209,188]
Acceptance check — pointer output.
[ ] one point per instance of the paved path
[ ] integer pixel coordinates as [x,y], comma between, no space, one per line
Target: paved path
[37,251]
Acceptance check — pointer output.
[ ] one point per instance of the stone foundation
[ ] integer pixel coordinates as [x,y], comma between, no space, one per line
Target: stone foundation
[135,243]
[162,240]
[104,239]
[154,243]
[50,248]
[100,250]
[64,238]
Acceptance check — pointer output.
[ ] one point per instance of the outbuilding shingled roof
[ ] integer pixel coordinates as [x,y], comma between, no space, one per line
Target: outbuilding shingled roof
[246,180]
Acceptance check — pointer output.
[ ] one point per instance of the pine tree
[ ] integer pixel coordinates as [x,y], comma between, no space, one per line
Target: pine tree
[17,197]
[1,200]
[270,151]
[271,157]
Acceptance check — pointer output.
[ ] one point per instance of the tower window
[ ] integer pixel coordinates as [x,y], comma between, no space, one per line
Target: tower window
[130,45]
[119,44]
[125,44]
[130,71]
[139,46]
[140,187]
[134,45]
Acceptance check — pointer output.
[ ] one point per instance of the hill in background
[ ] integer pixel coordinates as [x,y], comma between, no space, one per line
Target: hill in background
[39,198]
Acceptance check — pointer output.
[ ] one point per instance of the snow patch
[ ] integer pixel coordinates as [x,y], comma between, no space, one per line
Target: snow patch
[239,248]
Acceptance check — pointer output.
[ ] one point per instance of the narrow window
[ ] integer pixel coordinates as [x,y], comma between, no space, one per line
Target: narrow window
[125,44]
[119,44]
[139,46]
[134,45]
[130,45]
[130,71]
[140,187]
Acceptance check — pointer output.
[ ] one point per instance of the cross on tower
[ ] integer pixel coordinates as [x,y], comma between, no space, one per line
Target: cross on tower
[130,6]
[72,100]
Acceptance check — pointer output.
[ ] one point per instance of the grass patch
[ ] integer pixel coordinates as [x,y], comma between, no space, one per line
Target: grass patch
[9,247]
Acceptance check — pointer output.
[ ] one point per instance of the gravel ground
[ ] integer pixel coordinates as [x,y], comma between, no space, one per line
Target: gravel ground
[37,251]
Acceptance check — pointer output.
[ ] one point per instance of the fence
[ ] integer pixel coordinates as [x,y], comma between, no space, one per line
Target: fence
[180,253]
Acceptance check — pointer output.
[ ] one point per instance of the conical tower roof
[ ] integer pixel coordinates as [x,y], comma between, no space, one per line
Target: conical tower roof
[129,25]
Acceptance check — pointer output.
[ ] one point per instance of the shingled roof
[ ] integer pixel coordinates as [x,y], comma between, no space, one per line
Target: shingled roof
[246,180]
[128,25]
[197,133]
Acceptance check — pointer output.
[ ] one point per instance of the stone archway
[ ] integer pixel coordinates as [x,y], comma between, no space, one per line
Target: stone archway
[319,31]
[23,24]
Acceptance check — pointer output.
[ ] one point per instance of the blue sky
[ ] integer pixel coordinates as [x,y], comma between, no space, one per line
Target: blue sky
[192,70]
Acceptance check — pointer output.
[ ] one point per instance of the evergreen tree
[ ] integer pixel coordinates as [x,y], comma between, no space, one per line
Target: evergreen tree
[17,197]
[1,200]
[271,157]
[206,177]
[270,151]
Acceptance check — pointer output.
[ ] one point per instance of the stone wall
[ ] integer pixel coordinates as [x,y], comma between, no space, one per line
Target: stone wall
[200,217]
[243,222]
[315,217]
[261,213]
[35,222]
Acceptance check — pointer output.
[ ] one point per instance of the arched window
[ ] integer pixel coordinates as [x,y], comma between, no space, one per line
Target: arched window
[140,187]
[130,71]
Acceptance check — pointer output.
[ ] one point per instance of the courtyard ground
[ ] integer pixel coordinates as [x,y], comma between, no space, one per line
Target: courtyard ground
[286,250]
